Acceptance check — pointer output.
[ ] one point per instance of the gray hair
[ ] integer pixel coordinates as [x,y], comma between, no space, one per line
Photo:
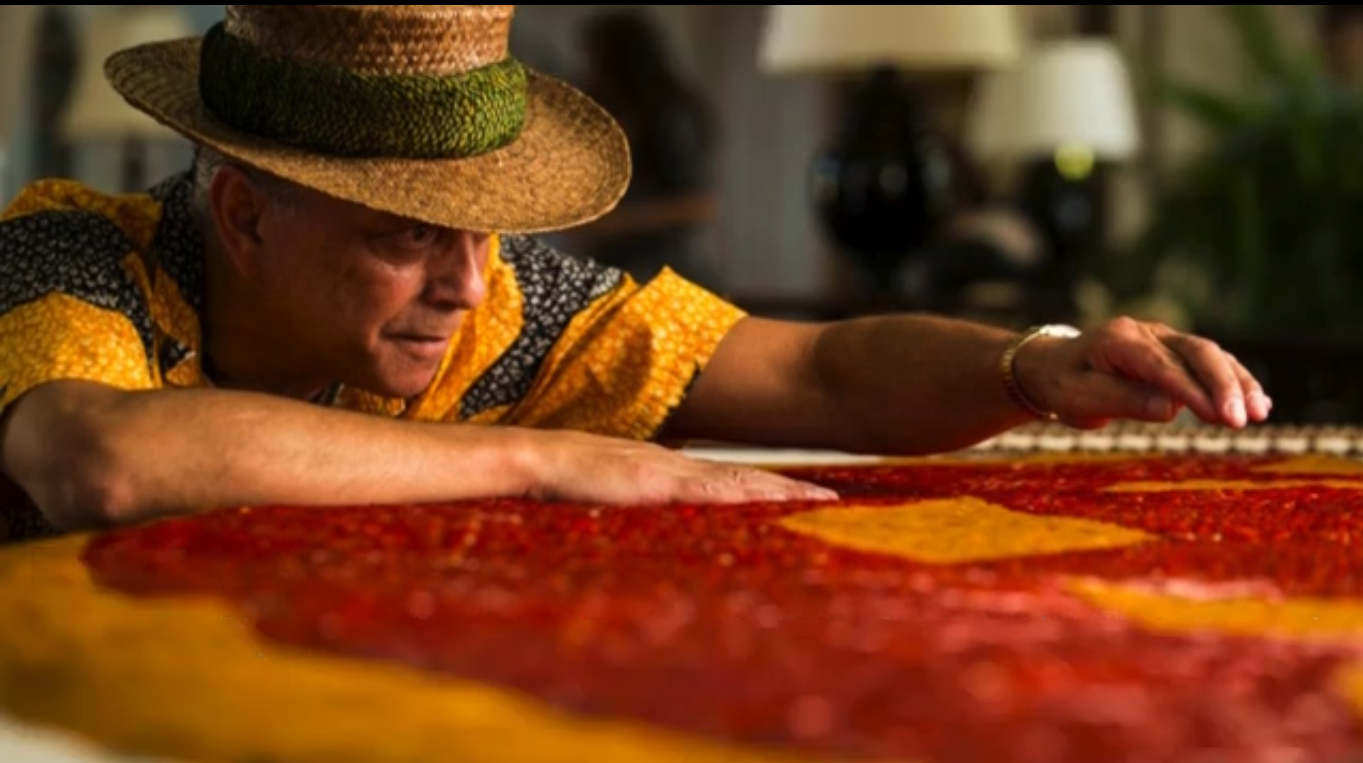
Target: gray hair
[207,162]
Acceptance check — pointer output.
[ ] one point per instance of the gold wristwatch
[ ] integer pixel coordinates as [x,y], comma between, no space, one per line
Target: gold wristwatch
[1008,365]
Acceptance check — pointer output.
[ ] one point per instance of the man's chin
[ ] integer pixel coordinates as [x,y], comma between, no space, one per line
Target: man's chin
[399,380]
[408,385]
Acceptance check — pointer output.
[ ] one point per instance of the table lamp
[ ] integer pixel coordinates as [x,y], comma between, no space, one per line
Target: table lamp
[883,187]
[1063,114]
[98,114]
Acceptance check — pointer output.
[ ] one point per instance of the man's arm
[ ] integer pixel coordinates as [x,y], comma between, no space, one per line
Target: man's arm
[669,360]
[91,456]
[882,385]
[921,384]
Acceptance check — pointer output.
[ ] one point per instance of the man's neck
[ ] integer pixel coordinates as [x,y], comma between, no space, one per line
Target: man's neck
[241,352]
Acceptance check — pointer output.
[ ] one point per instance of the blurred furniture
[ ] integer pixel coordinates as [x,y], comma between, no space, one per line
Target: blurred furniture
[883,186]
[52,76]
[1063,116]
[95,113]
[16,53]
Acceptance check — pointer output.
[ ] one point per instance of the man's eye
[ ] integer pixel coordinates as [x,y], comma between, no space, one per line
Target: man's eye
[420,234]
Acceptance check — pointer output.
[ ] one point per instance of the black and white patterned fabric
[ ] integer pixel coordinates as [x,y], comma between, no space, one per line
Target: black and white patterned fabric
[76,253]
[555,287]
[178,252]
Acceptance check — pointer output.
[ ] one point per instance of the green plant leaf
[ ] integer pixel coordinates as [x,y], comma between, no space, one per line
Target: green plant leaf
[1270,210]
[1257,35]
[1212,110]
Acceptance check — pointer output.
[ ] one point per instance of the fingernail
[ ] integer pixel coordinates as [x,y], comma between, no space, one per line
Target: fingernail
[1260,402]
[1158,406]
[822,494]
[1235,411]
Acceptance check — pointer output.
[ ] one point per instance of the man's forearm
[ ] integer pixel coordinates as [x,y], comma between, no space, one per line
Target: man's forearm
[92,456]
[915,384]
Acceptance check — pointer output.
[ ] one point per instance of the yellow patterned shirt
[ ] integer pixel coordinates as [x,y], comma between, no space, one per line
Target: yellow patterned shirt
[110,289]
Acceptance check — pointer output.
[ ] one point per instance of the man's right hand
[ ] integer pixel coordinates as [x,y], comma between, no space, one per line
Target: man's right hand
[584,468]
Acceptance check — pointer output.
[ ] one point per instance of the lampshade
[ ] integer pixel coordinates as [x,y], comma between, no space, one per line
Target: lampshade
[96,111]
[828,38]
[1073,93]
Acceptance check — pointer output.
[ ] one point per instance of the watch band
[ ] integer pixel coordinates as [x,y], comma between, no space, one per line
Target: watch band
[1008,366]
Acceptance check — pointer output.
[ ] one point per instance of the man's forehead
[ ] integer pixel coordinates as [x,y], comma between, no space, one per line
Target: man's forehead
[324,208]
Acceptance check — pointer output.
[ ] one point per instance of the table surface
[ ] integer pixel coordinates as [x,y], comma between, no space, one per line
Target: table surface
[23,744]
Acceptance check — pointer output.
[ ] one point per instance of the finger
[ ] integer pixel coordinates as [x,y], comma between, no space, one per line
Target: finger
[1164,370]
[773,486]
[727,484]
[1106,397]
[1217,374]
[1257,402]
[1236,395]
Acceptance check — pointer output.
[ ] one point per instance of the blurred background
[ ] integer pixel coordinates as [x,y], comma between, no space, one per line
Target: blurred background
[1194,164]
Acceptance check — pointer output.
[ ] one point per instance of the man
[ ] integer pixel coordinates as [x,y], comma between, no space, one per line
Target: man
[317,316]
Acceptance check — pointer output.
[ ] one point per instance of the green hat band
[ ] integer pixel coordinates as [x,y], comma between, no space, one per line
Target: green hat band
[338,112]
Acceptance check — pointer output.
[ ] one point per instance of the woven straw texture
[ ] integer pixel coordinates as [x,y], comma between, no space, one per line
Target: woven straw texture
[379,39]
[569,166]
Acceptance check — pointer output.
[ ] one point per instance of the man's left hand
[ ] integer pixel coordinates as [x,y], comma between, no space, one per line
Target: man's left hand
[1132,370]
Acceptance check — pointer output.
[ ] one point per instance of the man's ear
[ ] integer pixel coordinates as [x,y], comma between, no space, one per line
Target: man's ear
[238,209]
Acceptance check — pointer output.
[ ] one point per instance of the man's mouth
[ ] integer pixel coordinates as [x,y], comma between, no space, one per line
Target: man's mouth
[422,347]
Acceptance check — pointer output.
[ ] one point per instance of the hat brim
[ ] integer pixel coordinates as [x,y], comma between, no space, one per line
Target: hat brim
[569,166]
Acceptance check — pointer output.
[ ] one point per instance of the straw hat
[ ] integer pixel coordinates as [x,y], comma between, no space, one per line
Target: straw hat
[416,110]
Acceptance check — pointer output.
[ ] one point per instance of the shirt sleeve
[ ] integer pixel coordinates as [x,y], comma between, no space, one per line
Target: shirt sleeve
[72,304]
[598,352]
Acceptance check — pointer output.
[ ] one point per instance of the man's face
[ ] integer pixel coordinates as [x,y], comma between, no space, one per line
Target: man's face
[370,299]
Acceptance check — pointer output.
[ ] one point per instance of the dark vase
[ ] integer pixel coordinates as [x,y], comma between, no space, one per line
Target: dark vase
[883,188]
[1063,199]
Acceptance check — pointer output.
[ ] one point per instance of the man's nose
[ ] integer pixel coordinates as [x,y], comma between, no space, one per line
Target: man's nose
[458,272]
